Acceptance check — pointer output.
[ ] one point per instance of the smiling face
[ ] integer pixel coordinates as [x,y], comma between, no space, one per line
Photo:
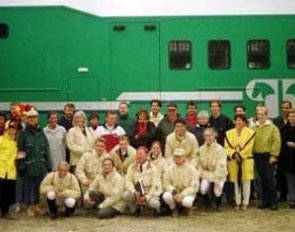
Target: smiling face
[80,121]
[180,129]
[261,115]
[239,123]
[209,137]
[215,108]
[285,107]
[240,111]
[123,109]
[203,120]
[63,171]
[111,120]
[156,150]
[291,118]
[191,110]
[53,120]
[141,156]
[99,147]
[107,166]
[69,112]
[32,121]
[179,160]
[155,108]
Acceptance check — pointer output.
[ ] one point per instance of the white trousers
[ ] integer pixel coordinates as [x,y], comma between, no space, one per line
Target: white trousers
[243,191]
[129,198]
[68,201]
[187,201]
[205,185]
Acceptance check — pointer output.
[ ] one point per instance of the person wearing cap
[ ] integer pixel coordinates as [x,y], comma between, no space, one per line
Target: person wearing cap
[34,161]
[90,164]
[105,192]
[181,138]
[142,184]
[213,168]
[56,136]
[266,149]
[8,151]
[155,115]
[93,120]
[123,155]
[61,188]
[125,121]
[181,184]
[80,139]
[166,126]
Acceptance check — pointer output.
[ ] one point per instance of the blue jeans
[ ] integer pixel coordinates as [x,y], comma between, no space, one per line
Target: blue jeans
[31,188]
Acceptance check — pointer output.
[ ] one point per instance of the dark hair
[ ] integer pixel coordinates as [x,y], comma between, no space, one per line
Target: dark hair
[124,138]
[287,102]
[124,103]
[158,143]
[240,106]
[180,120]
[156,101]
[69,105]
[52,113]
[144,111]
[191,103]
[3,115]
[242,117]
[93,115]
[143,148]
[109,159]
[110,112]
[215,101]
[14,104]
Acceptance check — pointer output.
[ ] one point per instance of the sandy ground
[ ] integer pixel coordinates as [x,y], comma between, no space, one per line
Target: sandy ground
[228,220]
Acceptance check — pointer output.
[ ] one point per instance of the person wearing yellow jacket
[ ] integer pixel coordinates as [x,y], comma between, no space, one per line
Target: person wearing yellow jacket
[8,151]
[267,147]
[61,188]
[157,159]
[238,145]
[105,192]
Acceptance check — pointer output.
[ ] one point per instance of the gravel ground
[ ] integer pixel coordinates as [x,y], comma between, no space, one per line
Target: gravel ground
[227,220]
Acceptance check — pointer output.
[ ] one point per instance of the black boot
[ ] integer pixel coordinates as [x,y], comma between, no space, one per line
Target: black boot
[52,208]
[207,201]
[218,201]
[69,211]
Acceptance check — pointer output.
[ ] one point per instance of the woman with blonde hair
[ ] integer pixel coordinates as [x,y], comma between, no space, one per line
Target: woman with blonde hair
[267,146]
[80,139]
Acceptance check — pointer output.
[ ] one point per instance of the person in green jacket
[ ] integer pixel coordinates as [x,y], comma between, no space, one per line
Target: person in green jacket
[34,161]
[125,121]
[266,150]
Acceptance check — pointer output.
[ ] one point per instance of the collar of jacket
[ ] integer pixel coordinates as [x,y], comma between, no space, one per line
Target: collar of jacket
[110,175]
[105,126]
[124,117]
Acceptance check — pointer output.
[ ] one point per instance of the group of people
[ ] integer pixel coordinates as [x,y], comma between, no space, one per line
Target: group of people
[165,162]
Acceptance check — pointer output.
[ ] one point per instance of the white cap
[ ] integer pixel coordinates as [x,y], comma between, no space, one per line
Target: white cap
[32,113]
[179,152]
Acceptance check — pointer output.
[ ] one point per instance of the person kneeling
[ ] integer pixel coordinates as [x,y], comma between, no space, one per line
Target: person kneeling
[61,188]
[105,192]
[142,184]
[213,167]
[181,184]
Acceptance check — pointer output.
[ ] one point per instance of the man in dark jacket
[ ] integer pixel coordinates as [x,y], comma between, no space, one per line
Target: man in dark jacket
[288,149]
[166,126]
[67,118]
[125,121]
[34,161]
[281,122]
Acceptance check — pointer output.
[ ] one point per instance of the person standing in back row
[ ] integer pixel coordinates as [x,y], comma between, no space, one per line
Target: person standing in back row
[155,115]
[221,124]
[191,116]
[125,121]
[266,150]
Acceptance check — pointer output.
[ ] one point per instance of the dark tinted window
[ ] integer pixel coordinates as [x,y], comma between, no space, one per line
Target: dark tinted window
[219,54]
[258,54]
[3,30]
[180,54]
[291,53]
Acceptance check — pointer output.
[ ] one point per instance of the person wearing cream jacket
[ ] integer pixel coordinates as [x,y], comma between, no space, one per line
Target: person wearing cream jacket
[142,184]
[90,164]
[80,139]
[181,184]
[61,188]
[181,138]
[157,159]
[123,155]
[105,192]
[212,167]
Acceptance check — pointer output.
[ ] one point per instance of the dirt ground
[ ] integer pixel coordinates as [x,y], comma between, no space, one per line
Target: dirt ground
[227,220]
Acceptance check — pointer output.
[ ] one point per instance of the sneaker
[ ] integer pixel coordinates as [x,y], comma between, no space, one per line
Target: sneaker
[244,207]
[40,210]
[189,212]
[53,216]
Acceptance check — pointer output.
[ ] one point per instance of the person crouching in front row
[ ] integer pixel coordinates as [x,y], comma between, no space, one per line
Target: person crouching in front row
[61,188]
[142,184]
[105,192]
[213,167]
[181,184]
